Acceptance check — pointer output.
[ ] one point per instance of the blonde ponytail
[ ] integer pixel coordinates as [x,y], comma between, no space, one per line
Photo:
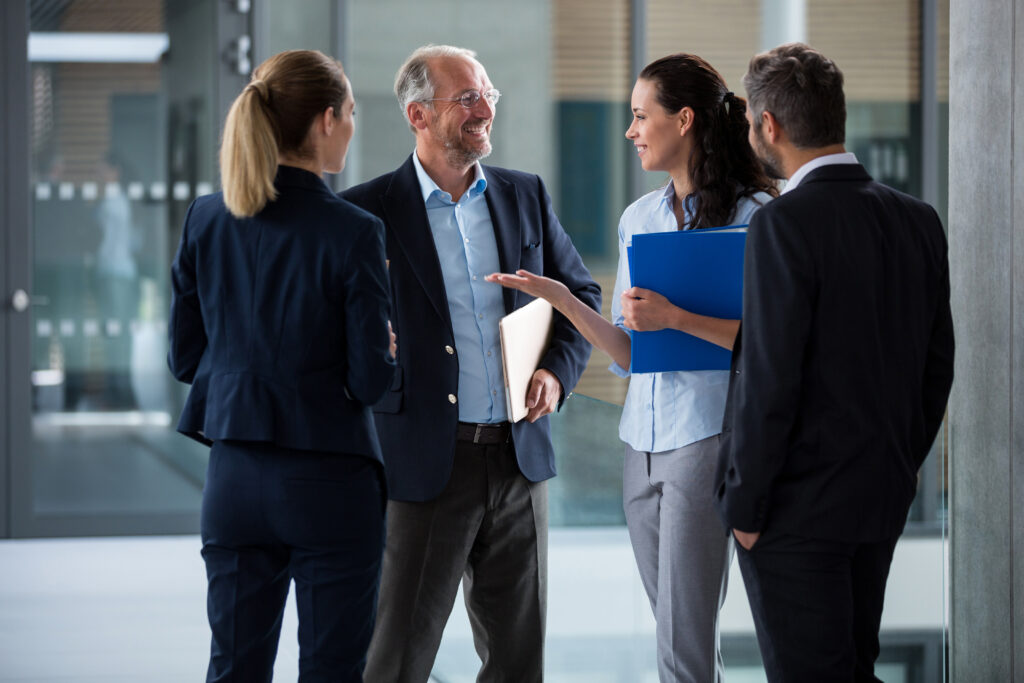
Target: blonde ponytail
[272,117]
[248,153]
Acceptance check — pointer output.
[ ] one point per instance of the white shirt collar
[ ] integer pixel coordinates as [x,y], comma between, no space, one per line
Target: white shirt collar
[428,187]
[818,162]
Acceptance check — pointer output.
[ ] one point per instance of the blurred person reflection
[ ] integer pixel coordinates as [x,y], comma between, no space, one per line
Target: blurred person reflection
[279,321]
[117,285]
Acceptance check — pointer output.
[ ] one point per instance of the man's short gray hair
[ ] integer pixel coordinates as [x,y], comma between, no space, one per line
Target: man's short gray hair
[413,82]
[803,89]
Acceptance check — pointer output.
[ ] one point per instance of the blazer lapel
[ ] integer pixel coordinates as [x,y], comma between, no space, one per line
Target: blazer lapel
[407,216]
[503,204]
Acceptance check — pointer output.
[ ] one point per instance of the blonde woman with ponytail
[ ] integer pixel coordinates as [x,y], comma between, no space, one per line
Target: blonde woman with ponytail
[279,321]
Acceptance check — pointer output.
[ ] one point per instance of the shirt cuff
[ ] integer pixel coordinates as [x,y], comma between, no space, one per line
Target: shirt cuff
[618,370]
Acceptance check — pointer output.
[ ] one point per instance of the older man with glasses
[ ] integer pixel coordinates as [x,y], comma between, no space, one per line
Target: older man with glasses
[468,499]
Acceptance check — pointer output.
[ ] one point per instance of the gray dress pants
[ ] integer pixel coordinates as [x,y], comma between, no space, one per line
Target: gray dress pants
[487,529]
[682,552]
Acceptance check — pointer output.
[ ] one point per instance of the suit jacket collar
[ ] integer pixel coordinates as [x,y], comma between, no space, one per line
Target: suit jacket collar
[834,172]
[290,176]
[407,215]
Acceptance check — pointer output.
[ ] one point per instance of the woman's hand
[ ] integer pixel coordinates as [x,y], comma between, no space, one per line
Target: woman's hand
[646,311]
[393,346]
[539,286]
[594,328]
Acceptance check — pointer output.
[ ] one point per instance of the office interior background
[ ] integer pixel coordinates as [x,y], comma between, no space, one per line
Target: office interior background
[111,118]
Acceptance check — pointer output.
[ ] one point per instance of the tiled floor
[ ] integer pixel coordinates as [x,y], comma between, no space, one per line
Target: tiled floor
[120,610]
[114,610]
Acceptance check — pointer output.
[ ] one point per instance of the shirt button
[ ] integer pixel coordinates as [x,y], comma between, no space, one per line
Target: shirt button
[481,316]
[466,240]
[452,399]
[488,353]
[450,350]
[474,277]
[495,392]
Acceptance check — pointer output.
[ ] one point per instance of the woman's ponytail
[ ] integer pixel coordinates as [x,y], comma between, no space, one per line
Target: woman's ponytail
[249,152]
[271,118]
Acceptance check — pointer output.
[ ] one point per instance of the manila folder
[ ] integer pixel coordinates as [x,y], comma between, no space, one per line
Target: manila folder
[525,335]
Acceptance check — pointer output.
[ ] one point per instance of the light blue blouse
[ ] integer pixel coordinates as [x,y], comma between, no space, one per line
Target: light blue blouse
[668,410]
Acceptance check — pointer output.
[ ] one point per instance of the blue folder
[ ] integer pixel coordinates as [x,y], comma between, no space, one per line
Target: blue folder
[699,270]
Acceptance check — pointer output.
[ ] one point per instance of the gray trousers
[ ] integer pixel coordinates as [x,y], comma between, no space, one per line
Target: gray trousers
[488,529]
[682,552]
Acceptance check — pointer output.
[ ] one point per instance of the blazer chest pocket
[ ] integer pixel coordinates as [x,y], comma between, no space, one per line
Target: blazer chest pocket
[532,257]
[392,401]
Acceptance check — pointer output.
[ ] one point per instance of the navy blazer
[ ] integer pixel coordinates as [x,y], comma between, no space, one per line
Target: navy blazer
[416,421]
[279,321]
[843,364]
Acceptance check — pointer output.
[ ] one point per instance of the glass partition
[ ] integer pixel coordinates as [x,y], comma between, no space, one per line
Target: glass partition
[115,158]
[120,146]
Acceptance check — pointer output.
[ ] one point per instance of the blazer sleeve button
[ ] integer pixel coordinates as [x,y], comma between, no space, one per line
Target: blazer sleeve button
[452,399]
[450,350]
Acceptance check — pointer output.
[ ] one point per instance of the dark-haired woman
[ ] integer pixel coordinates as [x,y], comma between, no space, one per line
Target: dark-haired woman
[687,123]
[279,322]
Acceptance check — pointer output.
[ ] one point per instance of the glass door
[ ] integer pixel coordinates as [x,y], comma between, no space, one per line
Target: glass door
[124,105]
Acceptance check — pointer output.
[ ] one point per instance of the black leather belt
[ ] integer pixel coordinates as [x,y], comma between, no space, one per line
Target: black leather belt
[483,433]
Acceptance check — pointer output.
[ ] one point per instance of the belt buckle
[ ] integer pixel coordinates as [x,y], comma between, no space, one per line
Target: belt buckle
[476,434]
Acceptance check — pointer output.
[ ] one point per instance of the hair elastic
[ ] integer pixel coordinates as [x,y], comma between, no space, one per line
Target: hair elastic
[261,88]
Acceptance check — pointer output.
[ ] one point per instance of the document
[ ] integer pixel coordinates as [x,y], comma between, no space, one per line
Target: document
[698,270]
[525,334]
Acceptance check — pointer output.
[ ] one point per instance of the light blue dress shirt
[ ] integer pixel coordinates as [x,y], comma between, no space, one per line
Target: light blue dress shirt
[468,251]
[668,410]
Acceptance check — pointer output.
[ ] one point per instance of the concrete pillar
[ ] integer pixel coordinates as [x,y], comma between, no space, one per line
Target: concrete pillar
[783,21]
[986,413]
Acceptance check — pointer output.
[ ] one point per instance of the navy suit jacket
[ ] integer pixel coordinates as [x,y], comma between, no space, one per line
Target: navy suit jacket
[279,321]
[843,364]
[415,420]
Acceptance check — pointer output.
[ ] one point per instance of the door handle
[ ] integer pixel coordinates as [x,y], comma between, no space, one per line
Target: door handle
[20,301]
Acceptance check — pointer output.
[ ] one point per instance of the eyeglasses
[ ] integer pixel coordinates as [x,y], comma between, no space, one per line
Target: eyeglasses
[469,98]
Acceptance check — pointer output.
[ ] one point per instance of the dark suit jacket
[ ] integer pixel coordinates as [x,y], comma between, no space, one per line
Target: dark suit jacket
[279,321]
[844,362]
[415,421]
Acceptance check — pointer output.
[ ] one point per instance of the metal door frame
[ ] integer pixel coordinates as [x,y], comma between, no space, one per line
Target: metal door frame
[15,268]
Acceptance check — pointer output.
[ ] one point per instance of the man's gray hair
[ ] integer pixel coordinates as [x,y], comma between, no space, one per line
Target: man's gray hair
[803,89]
[413,82]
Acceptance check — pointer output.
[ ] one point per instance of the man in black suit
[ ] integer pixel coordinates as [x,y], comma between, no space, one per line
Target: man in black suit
[839,378]
[468,496]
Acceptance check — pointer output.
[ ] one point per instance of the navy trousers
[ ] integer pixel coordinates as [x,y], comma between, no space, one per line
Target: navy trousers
[272,515]
[817,606]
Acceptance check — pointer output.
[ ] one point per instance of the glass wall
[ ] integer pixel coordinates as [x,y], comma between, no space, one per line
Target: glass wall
[123,137]
[120,144]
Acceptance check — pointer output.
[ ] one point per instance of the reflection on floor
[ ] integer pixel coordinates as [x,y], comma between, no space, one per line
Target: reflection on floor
[133,609]
[120,610]
[87,470]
